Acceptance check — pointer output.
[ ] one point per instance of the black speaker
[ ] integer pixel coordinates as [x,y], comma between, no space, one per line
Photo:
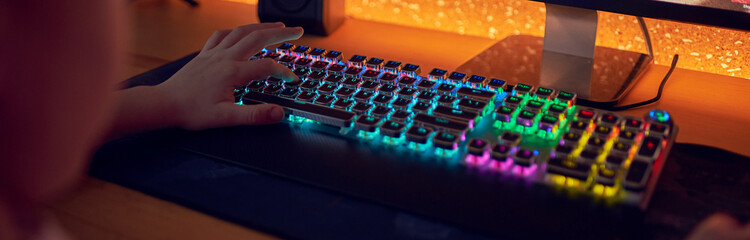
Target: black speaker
[319,17]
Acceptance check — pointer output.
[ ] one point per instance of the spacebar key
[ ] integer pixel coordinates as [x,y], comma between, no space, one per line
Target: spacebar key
[310,111]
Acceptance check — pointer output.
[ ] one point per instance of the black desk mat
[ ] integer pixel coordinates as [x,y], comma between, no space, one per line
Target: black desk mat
[696,181]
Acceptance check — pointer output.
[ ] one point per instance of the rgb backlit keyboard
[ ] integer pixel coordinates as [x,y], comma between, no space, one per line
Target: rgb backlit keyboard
[532,135]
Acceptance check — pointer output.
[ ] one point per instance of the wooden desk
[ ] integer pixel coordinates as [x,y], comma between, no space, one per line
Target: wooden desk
[710,109]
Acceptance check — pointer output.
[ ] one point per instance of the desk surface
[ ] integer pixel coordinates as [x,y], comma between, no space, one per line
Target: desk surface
[710,109]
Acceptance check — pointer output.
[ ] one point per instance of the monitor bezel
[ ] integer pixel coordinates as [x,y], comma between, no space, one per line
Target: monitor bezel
[666,10]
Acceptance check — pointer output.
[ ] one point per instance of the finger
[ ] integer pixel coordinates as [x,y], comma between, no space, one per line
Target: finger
[261,68]
[255,41]
[215,39]
[234,115]
[240,32]
[718,224]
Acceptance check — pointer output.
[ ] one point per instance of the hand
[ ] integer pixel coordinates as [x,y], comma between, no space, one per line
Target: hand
[202,91]
[720,226]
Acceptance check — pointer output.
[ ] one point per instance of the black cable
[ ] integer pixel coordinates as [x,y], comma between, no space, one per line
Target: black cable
[658,94]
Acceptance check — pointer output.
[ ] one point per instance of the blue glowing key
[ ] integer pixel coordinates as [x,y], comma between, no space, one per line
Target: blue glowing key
[476,81]
[411,69]
[456,78]
[437,74]
[284,48]
[392,66]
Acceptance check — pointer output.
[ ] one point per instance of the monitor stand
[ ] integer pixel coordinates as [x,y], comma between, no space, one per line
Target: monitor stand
[565,59]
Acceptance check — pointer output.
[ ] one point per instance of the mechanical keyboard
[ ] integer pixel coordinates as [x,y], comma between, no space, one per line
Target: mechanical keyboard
[522,136]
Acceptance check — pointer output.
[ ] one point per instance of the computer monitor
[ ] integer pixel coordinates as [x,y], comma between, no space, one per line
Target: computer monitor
[567,58]
[721,13]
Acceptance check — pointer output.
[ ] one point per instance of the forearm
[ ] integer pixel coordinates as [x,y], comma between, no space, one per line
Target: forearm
[141,109]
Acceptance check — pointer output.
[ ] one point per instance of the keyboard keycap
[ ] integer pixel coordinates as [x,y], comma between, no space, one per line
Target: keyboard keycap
[334,79]
[319,66]
[316,76]
[392,129]
[306,96]
[309,85]
[455,114]
[333,56]
[543,93]
[380,111]
[512,101]
[344,93]
[271,89]
[255,86]
[316,53]
[477,147]
[426,97]
[357,60]
[418,134]
[442,124]
[274,80]
[421,107]
[382,100]
[343,104]
[476,81]
[566,97]
[374,63]
[637,176]
[407,92]
[363,96]
[650,148]
[351,83]
[289,93]
[426,85]
[401,116]
[392,67]
[406,81]
[475,94]
[388,78]
[457,78]
[327,89]
[472,105]
[352,72]
[499,152]
[524,157]
[522,89]
[437,74]
[445,89]
[285,48]
[370,75]
[335,69]
[366,123]
[578,170]
[324,100]
[445,140]
[526,118]
[361,108]
[387,89]
[370,86]
[503,113]
[411,69]
[401,103]
[446,101]
[496,85]
[321,114]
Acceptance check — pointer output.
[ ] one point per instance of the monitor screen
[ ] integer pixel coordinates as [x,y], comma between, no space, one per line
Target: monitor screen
[721,13]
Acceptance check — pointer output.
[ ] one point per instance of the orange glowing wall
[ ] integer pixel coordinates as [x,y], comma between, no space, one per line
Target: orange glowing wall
[702,48]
